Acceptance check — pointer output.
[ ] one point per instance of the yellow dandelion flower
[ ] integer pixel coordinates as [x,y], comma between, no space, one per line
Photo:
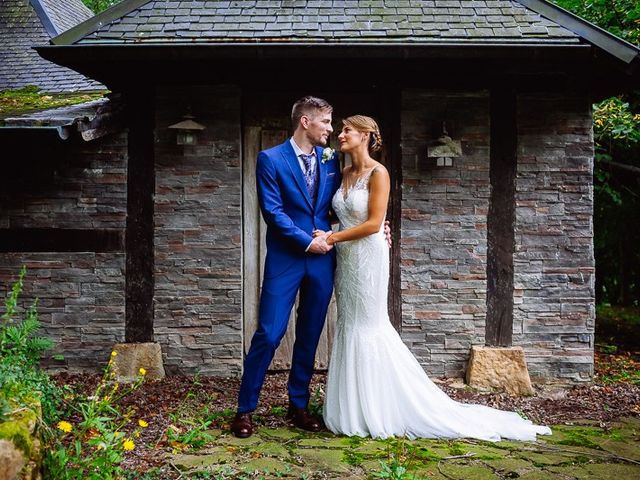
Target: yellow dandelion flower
[128,444]
[142,371]
[143,424]
[65,426]
[114,353]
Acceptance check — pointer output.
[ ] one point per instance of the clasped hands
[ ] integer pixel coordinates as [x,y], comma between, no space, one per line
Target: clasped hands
[319,244]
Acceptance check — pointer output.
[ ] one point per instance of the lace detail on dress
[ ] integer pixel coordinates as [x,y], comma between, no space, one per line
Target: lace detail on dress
[375,386]
[361,183]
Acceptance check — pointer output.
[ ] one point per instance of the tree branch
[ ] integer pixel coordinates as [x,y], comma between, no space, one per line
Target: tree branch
[622,166]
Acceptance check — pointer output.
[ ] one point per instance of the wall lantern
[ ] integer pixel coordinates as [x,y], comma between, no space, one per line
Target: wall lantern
[444,149]
[187,130]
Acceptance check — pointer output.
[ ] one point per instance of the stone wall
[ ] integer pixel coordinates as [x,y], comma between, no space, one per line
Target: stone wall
[69,185]
[443,257]
[198,225]
[554,296]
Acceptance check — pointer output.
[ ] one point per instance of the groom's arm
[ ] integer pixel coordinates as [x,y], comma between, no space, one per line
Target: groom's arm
[271,205]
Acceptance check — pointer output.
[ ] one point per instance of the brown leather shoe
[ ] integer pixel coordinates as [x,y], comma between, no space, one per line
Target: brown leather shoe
[242,426]
[301,418]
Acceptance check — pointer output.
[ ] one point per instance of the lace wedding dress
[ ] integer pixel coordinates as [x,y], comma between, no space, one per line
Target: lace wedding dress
[375,386]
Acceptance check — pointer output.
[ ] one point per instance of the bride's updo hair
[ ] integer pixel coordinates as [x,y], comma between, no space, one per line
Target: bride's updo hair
[366,124]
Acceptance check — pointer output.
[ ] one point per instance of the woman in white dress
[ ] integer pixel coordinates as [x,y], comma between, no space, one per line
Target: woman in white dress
[375,386]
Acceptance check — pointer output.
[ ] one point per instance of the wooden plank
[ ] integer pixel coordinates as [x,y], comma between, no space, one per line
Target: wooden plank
[252,265]
[139,284]
[501,217]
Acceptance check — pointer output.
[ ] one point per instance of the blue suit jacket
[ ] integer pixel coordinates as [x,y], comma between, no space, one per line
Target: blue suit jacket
[287,209]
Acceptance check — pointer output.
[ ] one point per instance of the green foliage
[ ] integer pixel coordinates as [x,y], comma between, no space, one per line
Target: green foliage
[620,17]
[93,447]
[393,469]
[616,188]
[614,122]
[351,457]
[97,6]
[629,316]
[21,380]
[278,410]
[195,437]
[316,402]
[193,417]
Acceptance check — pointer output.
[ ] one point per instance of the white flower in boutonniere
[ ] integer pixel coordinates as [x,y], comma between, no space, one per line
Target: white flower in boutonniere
[327,155]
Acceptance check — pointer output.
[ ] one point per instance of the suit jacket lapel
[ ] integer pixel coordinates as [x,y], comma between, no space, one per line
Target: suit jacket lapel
[290,156]
[321,173]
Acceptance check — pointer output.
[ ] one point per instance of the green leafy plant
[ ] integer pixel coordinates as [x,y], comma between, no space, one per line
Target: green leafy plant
[278,410]
[393,469]
[196,437]
[316,402]
[93,447]
[22,382]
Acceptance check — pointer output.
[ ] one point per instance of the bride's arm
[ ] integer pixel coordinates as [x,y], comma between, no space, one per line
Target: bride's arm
[379,186]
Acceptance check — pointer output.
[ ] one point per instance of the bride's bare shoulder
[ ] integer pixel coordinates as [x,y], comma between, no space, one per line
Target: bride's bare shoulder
[379,171]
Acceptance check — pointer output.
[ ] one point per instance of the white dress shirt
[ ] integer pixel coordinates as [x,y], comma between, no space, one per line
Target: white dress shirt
[299,152]
[314,160]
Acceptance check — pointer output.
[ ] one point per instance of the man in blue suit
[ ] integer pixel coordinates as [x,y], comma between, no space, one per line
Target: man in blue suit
[296,183]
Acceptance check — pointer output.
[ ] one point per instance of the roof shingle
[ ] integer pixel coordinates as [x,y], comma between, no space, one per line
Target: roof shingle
[20,30]
[326,21]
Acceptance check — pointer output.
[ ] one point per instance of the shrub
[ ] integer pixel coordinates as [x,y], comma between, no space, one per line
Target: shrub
[22,382]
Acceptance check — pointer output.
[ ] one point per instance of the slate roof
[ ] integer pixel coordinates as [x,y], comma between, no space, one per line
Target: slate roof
[322,21]
[24,24]
[65,14]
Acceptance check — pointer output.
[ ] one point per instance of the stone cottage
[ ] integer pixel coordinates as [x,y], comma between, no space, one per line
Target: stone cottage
[153,234]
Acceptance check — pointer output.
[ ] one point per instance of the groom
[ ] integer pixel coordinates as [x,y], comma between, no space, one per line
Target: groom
[295,183]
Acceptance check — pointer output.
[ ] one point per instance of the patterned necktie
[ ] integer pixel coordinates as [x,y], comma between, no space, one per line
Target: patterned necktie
[309,174]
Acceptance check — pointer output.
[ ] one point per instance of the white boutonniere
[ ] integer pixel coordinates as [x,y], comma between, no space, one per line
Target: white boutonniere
[327,155]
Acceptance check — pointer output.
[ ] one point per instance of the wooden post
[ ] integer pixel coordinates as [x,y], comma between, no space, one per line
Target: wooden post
[391,136]
[501,218]
[139,283]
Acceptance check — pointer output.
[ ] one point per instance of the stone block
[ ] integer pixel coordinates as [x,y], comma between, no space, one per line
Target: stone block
[133,356]
[499,367]
[11,460]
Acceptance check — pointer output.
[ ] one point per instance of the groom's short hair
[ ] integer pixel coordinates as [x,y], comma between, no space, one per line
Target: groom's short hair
[307,106]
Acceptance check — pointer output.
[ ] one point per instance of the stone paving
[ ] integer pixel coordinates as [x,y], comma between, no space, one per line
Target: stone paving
[582,450]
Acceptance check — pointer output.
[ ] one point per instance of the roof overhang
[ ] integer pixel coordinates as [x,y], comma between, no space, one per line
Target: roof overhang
[119,66]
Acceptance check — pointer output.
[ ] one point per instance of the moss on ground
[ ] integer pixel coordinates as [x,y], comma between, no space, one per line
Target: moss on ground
[292,453]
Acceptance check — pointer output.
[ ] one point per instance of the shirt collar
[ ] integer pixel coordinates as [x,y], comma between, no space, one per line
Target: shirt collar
[298,150]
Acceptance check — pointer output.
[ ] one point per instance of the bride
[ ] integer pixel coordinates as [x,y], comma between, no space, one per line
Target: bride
[375,387]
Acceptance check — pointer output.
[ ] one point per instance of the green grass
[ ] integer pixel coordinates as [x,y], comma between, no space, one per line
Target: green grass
[614,313]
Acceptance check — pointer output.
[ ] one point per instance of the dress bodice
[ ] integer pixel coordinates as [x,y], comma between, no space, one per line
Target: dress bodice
[351,204]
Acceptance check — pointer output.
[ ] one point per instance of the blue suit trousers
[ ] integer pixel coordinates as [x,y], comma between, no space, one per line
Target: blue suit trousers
[312,277]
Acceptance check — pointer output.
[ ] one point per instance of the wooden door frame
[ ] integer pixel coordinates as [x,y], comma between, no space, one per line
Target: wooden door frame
[388,112]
